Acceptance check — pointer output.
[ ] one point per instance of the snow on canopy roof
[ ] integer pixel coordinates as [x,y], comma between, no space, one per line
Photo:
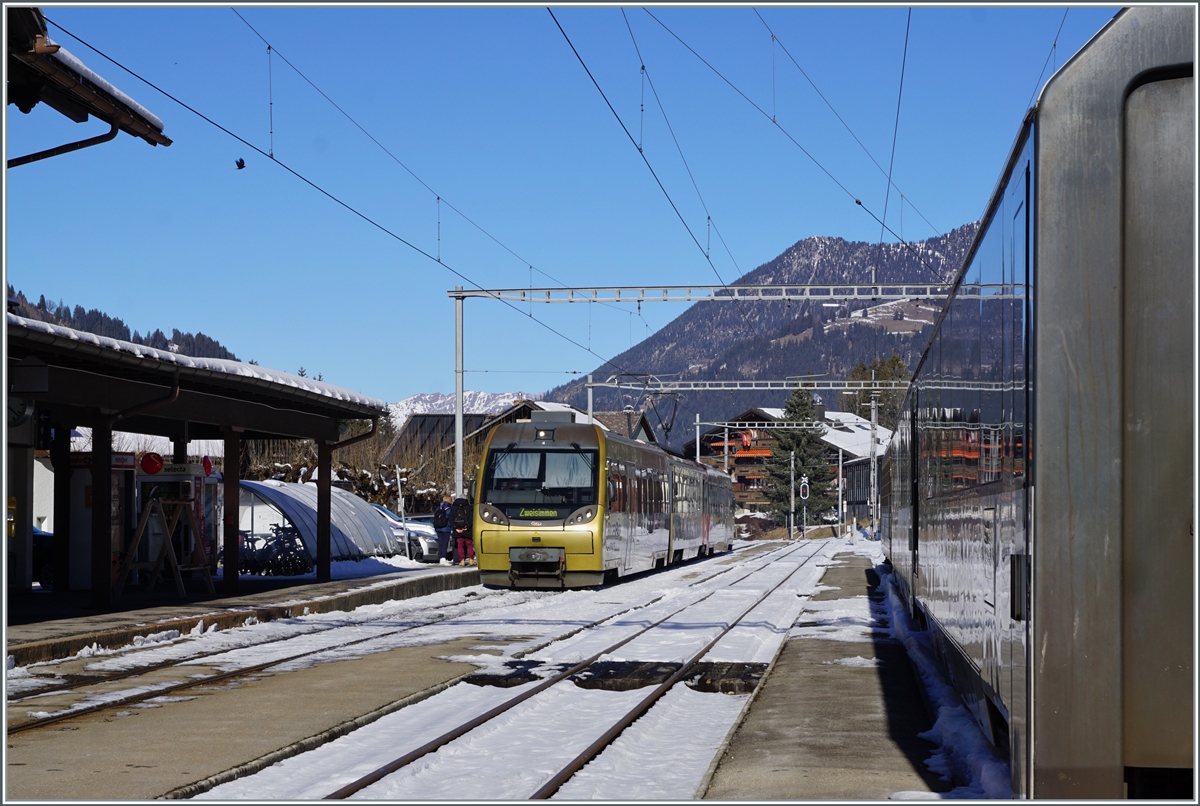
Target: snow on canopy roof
[216,366]
[773,413]
[356,529]
[71,62]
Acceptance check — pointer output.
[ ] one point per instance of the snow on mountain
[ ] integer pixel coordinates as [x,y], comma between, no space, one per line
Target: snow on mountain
[437,403]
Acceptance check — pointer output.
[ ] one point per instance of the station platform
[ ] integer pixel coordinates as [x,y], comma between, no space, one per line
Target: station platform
[44,625]
[833,719]
[818,727]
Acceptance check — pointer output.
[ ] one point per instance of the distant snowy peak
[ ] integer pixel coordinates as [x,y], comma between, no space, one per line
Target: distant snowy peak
[437,403]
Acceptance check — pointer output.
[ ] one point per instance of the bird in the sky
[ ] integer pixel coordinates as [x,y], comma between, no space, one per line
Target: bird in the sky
[241,163]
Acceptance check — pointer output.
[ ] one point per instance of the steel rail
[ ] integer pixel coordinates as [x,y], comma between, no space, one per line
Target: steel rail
[83,681]
[449,736]
[204,681]
[607,738]
[217,678]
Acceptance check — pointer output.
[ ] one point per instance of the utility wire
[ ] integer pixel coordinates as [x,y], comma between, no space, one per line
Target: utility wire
[440,199]
[896,128]
[679,148]
[327,194]
[1049,55]
[642,154]
[796,143]
[816,89]
[892,160]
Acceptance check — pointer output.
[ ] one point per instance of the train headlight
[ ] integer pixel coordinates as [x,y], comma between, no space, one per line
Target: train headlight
[582,515]
[492,515]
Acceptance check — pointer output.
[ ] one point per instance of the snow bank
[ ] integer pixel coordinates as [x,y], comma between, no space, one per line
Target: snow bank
[963,753]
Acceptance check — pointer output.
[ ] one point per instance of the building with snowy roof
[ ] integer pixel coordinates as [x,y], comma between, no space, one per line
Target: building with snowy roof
[744,450]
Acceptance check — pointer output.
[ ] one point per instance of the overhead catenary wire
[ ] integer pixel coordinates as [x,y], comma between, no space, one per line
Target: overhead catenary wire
[796,143]
[892,159]
[754,329]
[345,205]
[1050,55]
[775,38]
[270,103]
[895,128]
[625,129]
[398,161]
[679,148]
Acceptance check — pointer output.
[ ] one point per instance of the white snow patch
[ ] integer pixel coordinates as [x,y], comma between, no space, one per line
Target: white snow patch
[857,660]
[155,638]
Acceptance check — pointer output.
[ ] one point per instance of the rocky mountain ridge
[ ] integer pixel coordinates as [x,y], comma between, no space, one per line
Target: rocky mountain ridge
[777,340]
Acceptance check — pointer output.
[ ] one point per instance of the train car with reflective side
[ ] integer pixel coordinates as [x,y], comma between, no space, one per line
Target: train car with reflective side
[701,510]
[561,504]
[719,526]
[1040,484]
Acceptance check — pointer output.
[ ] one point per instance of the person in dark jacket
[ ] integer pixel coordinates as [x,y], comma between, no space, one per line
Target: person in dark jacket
[441,525]
[460,522]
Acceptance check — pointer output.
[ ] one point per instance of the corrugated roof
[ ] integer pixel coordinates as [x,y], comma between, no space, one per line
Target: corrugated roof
[356,529]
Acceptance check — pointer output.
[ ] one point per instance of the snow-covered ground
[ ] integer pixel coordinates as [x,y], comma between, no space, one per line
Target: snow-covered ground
[494,761]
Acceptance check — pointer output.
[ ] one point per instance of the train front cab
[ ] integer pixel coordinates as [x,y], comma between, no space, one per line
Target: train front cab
[539,509]
[1042,472]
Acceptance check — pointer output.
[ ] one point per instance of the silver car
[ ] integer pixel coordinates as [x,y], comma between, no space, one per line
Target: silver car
[422,539]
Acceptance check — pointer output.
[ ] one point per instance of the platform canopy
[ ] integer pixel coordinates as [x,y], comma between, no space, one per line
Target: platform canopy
[42,71]
[70,372]
[60,378]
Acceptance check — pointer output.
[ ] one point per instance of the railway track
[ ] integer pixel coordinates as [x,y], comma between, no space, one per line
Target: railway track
[209,680]
[73,682]
[82,683]
[644,703]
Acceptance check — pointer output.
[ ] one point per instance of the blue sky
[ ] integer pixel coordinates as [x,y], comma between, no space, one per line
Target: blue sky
[493,112]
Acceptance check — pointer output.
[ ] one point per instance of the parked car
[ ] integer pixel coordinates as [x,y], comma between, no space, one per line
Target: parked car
[422,539]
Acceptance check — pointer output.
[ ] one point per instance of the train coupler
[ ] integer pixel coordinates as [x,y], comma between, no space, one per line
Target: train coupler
[537,567]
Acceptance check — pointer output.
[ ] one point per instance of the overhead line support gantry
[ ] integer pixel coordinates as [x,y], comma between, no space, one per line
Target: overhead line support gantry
[826,294]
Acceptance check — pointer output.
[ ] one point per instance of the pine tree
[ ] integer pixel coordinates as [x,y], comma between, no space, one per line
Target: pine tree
[811,460]
[893,369]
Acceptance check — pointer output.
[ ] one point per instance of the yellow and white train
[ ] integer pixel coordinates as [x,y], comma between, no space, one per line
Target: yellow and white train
[564,505]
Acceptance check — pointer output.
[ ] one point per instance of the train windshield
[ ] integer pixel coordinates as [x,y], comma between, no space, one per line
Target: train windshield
[540,484]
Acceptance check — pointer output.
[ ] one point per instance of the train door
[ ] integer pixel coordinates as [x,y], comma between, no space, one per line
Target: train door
[1158,558]
[627,522]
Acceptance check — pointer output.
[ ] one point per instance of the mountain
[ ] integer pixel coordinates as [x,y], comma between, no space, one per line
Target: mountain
[777,340]
[437,403]
[98,322]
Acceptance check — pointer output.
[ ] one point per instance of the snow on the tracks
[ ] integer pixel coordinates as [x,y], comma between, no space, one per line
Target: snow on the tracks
[512,756]
[664,755]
